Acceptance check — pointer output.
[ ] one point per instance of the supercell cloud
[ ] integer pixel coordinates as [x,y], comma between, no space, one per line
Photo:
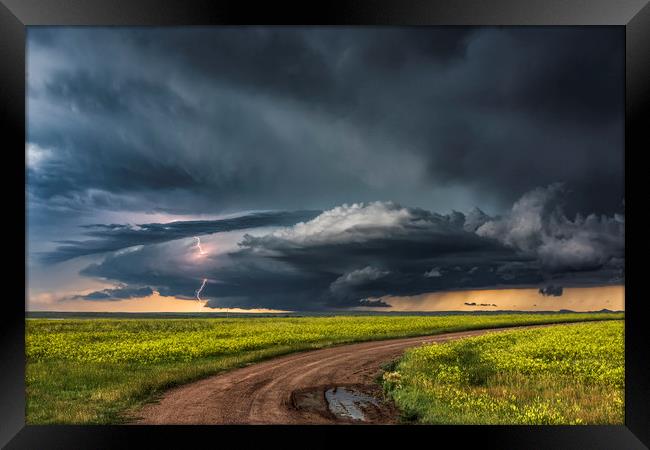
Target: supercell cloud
[360,251]
[325,166]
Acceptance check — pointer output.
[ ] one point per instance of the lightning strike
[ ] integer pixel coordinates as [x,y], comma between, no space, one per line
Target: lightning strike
[198,245]
[198,291]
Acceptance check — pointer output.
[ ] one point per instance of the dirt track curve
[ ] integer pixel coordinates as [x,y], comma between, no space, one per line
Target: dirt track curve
[289,389]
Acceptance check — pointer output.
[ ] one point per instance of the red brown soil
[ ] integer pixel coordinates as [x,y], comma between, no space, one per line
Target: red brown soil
[288,389]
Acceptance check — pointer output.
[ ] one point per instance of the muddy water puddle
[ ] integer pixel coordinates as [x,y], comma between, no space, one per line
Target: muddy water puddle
[350,403]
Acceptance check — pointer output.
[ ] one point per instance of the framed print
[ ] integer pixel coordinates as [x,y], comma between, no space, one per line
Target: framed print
[361,219]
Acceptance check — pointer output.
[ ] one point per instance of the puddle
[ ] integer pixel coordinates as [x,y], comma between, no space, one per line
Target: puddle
[352,403]
[349,403]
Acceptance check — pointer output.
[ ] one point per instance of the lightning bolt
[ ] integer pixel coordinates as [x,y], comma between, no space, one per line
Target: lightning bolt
[198,245]
[205,280]
[198,291]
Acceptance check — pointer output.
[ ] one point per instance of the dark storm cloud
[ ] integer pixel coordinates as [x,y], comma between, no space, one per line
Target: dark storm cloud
[533,114]
[551,290]
[408,120]
[210,120]
[365,251]
[117,236]
[116,294]
[537,225]
[319,67]
[374,303]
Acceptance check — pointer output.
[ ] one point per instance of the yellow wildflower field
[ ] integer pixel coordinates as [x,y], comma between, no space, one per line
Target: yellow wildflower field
[558,375]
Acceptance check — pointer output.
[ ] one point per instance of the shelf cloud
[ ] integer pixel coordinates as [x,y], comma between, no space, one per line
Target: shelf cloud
[362,251]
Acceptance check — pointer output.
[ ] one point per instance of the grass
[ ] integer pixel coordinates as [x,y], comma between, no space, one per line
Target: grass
[94,371]
[561,375]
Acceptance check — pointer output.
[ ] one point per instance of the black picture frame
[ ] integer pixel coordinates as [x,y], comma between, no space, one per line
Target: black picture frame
[15,15]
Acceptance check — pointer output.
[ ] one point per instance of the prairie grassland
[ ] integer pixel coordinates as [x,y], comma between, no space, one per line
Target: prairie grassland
[92,371]
[558,375]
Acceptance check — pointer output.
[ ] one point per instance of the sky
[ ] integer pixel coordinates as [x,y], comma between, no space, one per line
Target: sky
[311,168]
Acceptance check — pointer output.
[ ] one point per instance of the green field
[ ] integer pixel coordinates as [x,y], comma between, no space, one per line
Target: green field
[558,375]
[93,371]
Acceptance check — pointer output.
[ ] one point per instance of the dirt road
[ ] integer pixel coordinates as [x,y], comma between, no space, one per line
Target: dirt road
[292,389]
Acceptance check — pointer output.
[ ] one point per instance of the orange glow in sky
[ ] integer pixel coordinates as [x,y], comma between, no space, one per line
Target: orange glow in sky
[524,299]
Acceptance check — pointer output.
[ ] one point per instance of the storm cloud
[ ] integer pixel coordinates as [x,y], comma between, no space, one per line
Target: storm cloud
[537,225]
[111,237]
[328,165]
[365,251]
[116,294]
[224,119]
[551,290]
